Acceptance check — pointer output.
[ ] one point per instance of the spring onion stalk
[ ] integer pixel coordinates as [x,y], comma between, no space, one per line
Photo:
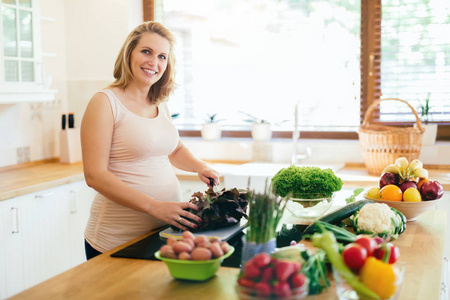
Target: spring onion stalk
[341,234]
[265,212]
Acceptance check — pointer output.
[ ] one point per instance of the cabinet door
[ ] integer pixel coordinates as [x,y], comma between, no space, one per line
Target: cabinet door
[11,242]
[46,235]
[81,197]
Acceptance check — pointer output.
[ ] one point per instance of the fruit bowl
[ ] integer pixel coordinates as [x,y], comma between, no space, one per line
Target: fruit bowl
[309,208]
[196,270]
[411,210]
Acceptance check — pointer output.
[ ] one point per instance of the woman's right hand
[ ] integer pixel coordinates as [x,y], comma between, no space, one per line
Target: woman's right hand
[174,213]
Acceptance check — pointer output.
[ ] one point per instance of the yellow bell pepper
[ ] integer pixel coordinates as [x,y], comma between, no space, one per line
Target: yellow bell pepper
[380,277]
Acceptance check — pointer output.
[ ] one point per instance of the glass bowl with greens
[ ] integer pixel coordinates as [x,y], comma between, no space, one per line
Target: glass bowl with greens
[309,191]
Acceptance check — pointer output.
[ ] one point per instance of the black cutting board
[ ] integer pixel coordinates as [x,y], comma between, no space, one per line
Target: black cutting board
[146,248]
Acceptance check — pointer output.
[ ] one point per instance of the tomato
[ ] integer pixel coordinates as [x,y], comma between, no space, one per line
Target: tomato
[367,242]
[354,256]
[381,250]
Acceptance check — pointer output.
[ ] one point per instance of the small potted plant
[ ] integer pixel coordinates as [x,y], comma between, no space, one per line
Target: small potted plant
[211,130]
[429,136]
[261,130]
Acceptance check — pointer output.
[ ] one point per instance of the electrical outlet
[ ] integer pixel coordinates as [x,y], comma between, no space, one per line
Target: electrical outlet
[23,154]
[26,154]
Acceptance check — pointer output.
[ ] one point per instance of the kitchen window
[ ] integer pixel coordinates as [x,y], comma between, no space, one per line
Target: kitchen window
[238,57]
[21,75]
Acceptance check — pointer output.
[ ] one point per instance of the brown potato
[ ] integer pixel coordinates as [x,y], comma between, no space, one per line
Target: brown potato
[167,251]
[225,247]
[171,241]
[214,239]
[216,250]
[179,247]
[201,239]
[200,253]
[188,241]
[188,235]
[206,244]
[184,256]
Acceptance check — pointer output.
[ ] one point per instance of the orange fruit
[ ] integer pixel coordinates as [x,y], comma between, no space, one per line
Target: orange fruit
[391,192]
[421,181]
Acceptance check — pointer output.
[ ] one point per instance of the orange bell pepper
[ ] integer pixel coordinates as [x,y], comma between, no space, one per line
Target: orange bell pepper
[380,277]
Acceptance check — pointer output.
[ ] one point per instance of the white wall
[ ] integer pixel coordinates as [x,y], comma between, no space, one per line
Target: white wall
[86,36]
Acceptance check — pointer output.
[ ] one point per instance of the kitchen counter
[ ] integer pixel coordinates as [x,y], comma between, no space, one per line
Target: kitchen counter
[32,177]
[104,277]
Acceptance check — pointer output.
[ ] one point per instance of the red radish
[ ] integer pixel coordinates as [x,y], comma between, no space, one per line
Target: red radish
[298,280]
[282,289]
[245,282]
[251,271]
[263,289]
[261,260]
[284,270]
[268,274]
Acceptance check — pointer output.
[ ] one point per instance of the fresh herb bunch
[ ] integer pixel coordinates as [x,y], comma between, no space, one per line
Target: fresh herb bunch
[316,270]
[265,212]
[306,182]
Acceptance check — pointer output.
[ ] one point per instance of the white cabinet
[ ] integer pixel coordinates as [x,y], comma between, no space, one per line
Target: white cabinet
[42,235]
[11,247]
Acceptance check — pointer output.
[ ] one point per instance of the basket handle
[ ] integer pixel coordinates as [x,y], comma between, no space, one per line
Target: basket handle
[371,108]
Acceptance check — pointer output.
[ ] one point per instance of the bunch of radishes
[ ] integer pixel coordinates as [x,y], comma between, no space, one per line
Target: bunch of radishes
[267,276]
[190,247]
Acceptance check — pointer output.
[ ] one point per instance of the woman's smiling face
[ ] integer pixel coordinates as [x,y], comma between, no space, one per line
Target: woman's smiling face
[149,59]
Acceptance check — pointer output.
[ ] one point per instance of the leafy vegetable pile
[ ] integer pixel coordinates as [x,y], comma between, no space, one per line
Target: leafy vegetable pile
[219,210]
[305,182]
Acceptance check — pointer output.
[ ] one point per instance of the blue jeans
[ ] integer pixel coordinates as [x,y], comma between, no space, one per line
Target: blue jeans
[90,251]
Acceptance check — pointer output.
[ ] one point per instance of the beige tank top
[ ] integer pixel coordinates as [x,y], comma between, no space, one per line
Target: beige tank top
[139,157]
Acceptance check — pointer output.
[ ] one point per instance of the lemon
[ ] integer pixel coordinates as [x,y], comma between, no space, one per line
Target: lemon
[412,195]
[373,192]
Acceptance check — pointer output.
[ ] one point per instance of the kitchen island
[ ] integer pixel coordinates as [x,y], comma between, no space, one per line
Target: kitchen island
[105,277]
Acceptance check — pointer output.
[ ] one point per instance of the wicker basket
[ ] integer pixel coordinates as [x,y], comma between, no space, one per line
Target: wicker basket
[381,145]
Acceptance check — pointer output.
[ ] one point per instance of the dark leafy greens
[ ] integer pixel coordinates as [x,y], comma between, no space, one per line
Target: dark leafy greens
[219,209]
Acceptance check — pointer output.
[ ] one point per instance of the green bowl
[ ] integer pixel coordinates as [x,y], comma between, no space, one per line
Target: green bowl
[193,269]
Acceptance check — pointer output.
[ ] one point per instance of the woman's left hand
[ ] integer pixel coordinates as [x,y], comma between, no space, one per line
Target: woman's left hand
[206,173]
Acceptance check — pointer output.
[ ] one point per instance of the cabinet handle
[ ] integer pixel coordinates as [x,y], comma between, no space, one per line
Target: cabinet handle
[15,219]
[73,202]
[44,195]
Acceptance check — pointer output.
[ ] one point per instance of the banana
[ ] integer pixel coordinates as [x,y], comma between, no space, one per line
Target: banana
[394,169]
[406,170]
[420,172]
[415,164]
[402,162]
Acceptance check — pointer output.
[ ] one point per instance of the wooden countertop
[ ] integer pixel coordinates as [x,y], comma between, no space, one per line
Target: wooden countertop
[36,176]
[104,277]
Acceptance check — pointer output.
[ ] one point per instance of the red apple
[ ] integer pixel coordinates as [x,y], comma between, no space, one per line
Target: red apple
[389,178]
[431,190]
[407,184]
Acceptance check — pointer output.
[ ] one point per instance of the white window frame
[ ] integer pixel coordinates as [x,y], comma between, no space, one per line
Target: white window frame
[36,91]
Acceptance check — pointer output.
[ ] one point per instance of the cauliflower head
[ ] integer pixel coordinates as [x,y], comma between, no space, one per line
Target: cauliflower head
[376,219]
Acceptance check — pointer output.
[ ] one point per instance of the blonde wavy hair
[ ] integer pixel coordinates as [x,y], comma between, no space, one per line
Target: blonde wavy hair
[161,90]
